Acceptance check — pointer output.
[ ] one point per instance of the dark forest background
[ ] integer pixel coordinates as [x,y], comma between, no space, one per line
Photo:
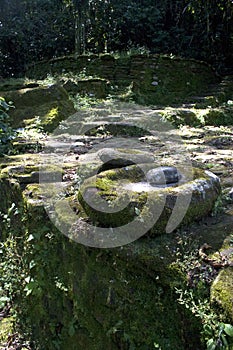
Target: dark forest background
[32,30]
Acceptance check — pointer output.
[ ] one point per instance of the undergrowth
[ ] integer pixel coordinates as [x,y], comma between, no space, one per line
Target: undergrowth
[6,131]
[194,296]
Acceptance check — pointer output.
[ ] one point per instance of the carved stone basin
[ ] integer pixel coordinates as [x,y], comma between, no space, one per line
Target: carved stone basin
[131,197]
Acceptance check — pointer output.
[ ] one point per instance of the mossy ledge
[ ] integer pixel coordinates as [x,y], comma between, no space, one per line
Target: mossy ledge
[73,297]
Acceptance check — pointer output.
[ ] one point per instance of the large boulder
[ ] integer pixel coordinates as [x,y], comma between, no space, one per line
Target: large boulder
[45,105]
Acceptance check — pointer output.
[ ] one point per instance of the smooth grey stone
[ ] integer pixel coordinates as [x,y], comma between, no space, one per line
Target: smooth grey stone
[163,175]
[117,157]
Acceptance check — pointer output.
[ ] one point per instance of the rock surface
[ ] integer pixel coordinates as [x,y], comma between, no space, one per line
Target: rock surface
[45,105]
[149,209]
[163,175]
[123,157]
[153,79]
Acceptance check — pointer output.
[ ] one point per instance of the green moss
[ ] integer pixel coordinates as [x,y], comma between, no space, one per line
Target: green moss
[81,297]
[153,79]
[218,117]
[27,174]
[104,183]
[49,104]
[182,117]
[33,192]
[68,211]
[107,187]
[117,129]
[6,329]
[132,173]
[52,114]
[20,160]
[221,292]
[55,113]
[19,170]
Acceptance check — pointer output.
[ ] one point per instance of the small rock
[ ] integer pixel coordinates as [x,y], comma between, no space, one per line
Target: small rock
[80,148]
[163,175]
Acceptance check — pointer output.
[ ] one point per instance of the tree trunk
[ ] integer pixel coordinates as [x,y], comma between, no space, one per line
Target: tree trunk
[77,33]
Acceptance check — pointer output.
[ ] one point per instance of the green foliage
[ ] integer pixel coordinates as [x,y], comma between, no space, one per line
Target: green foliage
[215,333]
[220,116]
[85,102]
[42,29]
[6,132]
[11,271]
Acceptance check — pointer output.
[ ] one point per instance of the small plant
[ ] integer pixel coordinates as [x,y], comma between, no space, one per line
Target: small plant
[49,80]
[221,203]
[12,272]
[194,296]
[29,138]
[85,102]
[10,259]
[137,50]
[215,333]
[6,131]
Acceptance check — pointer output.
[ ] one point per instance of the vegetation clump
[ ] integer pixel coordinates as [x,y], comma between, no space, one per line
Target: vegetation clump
[6,131]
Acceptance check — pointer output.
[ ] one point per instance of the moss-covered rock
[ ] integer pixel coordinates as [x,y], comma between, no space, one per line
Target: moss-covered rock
[221,292]
[112,198]
[222,286]
[96,298]
[117,128]
[50,104]
[27,174]
[116,157]
[92,87]
[181,117]
[219,116]
[74,297]
[152,79]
